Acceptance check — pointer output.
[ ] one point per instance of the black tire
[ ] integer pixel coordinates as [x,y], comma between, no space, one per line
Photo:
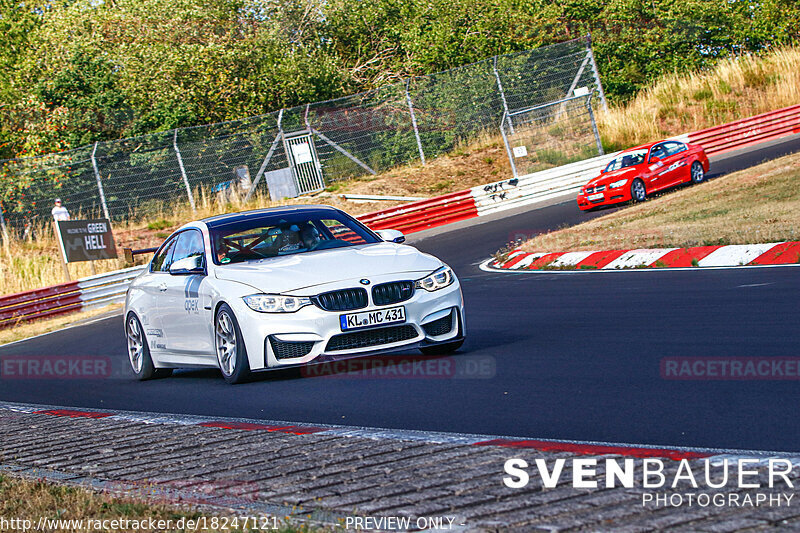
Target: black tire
[229,347]
[442,349]
[638,191]
[697,172]
[139,352]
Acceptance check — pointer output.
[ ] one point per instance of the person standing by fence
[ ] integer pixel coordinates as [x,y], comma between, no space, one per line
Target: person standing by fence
[59,211]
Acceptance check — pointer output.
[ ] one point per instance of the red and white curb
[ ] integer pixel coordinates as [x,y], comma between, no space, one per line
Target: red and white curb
[545,445]
[736,255]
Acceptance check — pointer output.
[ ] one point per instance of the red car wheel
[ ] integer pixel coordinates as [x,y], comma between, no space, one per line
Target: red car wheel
[638,191]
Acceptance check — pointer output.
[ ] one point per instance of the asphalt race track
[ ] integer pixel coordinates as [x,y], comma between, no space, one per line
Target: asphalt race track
[572,356]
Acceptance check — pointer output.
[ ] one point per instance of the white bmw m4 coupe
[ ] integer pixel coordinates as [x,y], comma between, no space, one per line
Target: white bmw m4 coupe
[287,286]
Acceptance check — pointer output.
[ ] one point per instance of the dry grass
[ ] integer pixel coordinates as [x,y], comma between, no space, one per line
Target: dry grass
[25,499]
[30,329]
[757,205]
[735,88]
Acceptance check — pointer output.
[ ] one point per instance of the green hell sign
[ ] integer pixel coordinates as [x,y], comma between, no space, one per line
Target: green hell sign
[86,240]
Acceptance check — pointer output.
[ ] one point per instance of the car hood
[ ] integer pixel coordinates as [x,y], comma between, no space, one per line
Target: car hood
[289,273]
[627,172]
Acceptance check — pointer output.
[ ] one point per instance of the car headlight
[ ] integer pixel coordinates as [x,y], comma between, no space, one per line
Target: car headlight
[439,279]
[617,184]
[274,303]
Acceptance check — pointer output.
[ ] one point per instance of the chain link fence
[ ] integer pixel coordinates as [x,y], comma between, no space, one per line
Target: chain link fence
[299,150]
[550,135]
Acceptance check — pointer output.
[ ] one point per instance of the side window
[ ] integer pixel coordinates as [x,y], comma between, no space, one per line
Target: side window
[190,244]
[658,151]
[341,232]
[674,147]
[161,260]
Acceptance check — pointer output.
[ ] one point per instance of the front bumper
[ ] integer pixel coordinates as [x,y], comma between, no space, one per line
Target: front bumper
[608,197]
[312,334]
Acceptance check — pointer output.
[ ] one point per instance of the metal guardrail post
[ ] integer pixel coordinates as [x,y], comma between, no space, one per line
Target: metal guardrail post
[99,183]
[503,97]
[183,170]
[414,123]
[596,73]
[508,146]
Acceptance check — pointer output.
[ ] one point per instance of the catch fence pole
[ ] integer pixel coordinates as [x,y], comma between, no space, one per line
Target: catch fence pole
[99,184]
[183,170]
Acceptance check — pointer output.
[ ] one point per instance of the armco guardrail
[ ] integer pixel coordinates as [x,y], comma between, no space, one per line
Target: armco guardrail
[537,187]
[86,293]
[424,214]
[749,131]
[416,216]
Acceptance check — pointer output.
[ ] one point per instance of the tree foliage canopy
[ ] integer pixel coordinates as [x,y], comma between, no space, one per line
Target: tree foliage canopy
[76,71]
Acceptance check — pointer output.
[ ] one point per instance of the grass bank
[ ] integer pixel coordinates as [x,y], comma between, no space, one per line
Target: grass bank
[24,499]
[757,205]
[735,88]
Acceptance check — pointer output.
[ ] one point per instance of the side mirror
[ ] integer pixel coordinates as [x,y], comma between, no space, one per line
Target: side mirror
[655,159]
[187,266]
[391,235]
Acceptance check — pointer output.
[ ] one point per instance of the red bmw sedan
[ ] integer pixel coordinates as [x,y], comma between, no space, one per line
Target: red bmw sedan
[643,170]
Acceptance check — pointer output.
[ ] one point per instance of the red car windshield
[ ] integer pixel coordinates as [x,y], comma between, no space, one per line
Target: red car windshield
[627,159]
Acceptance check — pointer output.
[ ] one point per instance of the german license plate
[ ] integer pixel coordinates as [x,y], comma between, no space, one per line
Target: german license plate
[595,196]
[368,319]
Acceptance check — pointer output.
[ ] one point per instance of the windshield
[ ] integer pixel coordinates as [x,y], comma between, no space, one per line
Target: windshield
[628,159]
[286,234]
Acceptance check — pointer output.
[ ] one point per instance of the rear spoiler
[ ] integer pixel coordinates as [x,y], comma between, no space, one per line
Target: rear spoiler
[129,253]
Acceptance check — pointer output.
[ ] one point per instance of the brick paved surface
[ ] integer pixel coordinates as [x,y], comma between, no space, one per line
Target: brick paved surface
[332,475]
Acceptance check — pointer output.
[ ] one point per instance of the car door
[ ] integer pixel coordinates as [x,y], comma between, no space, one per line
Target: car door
[677,155]
[182,306]
[152,288]
[657,165]
[673,164]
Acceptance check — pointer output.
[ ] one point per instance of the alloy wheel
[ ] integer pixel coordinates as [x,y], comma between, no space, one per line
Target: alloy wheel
[226,343]
[135,344]
[639,192]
